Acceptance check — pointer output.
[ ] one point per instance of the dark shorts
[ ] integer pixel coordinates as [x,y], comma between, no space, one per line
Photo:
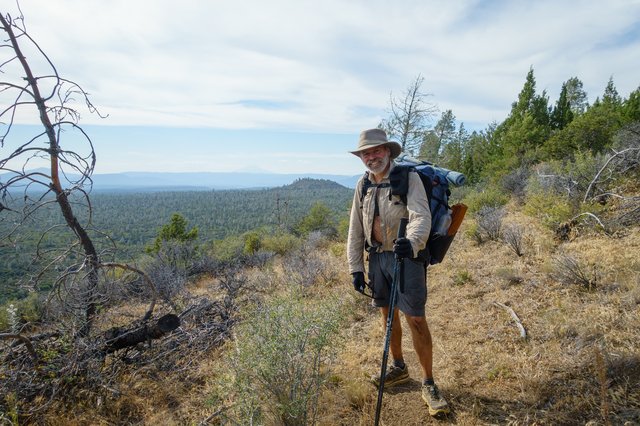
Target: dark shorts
[381,270]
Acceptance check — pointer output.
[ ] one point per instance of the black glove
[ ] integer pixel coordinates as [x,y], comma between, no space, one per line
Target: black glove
[402,248]
[358,282]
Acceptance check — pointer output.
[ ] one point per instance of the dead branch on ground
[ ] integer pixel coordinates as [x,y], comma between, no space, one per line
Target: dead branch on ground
[523,332]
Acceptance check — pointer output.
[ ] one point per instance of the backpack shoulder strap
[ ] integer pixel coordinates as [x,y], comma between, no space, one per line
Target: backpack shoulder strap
[366,184]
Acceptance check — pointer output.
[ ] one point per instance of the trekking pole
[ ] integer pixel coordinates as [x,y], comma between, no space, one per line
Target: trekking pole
[398,272]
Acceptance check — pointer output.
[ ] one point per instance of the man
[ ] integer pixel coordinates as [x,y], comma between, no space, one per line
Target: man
[373,227]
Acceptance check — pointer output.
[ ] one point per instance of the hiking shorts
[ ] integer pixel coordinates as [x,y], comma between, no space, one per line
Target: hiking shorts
[414,298]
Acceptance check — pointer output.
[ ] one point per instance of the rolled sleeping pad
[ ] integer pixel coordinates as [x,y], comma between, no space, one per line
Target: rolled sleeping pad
[455,178]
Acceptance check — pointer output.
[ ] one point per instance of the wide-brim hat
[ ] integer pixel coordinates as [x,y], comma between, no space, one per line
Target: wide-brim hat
[376,137]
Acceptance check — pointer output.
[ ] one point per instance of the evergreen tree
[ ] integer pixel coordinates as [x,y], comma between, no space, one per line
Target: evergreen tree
[435,140]
[611,97]
[175,230]
[517,140]
[576,96]
[320,218]
[453,151]
[476,156]
[561,114]
[631,107]
[592,131]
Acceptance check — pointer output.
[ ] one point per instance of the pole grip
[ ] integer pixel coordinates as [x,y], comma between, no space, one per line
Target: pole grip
[402,229]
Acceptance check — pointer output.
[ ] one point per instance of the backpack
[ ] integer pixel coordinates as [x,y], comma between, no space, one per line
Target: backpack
[445,219]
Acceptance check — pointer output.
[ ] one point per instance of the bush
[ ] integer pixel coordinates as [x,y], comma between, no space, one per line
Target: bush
[490,196]
[343,229]
[513,236]
[280,243]
[320,218]
[489,221]
[14,315]
[252,242]
[569,270]
[277,367]
[462,277]
[228,249]
[515,183]
[472,231]
[550,209]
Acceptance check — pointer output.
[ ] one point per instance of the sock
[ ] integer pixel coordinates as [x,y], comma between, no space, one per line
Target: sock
[428,382]
[398,363]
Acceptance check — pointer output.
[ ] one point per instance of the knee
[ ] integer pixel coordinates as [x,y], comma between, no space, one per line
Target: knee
[417,322]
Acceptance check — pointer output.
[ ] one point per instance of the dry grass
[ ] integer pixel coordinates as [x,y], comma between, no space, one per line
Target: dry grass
[579,364]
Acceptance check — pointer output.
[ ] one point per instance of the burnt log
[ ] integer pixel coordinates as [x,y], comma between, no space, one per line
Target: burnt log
[118,338]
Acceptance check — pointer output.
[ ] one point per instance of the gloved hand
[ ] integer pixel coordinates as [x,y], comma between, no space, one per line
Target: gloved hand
[402,248]
[358,282]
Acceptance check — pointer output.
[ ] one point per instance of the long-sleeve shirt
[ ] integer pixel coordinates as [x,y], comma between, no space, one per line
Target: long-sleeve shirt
[390,210]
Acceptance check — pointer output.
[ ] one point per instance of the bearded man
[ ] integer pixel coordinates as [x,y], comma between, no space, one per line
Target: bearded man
[373,226]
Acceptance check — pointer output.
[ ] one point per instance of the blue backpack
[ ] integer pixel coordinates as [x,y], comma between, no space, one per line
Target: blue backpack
[445,219]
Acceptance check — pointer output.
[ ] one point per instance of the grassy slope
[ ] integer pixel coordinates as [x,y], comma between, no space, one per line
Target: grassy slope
[580,362]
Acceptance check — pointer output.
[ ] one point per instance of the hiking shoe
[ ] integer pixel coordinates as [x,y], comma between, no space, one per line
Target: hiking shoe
[394,376]
[436,403]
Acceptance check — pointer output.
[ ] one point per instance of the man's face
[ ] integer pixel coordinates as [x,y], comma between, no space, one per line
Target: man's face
[376,159]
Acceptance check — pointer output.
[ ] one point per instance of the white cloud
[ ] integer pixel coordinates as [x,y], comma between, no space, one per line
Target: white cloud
[331,65]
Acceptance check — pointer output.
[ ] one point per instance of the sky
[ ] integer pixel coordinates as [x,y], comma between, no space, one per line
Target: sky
[287,85]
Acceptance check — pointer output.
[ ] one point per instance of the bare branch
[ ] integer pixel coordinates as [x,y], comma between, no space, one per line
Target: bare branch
[147,280]
[591,215]
[604,167]
[523,332]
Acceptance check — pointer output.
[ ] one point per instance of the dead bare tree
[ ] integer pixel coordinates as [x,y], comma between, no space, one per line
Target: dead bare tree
[68,171]
[409,117]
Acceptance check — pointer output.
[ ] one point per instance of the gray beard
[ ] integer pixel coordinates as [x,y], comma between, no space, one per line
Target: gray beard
[378,167]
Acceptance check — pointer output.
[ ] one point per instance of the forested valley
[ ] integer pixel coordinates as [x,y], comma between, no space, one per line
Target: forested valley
[129,222]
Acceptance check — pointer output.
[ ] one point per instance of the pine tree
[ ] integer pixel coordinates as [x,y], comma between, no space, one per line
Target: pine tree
[436,139]
[576,96]
[561,114]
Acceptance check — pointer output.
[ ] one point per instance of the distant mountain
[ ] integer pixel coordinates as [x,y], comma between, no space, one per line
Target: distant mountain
[152,181]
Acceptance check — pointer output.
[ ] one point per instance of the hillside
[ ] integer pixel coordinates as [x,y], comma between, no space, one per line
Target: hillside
[579,362]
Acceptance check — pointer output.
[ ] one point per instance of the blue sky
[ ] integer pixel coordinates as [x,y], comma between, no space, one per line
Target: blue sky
[287,86]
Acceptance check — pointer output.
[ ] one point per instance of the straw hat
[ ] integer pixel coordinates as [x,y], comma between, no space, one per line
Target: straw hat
[376,137]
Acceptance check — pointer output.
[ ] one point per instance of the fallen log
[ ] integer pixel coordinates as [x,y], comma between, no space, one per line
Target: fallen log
[117,338]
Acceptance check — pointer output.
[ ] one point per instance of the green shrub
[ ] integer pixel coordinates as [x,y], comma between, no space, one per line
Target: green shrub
[252,242]
[550,209]
[280,243]
[462,277]
[343,228]
[278,365]
[472,231]
[320,218]
[490,196]
[16,313]
[338,249]
[228,248]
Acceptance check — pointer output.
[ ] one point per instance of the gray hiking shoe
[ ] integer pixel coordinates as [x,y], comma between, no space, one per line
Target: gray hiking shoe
[394,376]
[436,403]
